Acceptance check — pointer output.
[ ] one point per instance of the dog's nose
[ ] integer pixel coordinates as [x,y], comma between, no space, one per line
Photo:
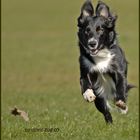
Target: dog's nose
[92,44]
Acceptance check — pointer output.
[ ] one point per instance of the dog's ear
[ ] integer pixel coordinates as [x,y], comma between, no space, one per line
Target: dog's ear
[87,10]
[102,9]
[111,20]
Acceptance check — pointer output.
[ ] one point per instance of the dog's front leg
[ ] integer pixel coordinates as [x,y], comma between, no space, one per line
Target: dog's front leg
[86,89]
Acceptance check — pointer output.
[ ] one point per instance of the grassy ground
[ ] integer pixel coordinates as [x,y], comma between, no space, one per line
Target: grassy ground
[40,72]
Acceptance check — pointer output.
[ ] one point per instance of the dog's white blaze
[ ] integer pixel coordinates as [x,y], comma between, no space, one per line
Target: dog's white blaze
[102,61]
[92,39]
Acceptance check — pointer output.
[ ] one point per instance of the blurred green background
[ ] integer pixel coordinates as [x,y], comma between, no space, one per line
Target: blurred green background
[40,71]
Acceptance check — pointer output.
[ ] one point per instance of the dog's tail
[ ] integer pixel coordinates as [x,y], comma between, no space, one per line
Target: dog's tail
[130,86]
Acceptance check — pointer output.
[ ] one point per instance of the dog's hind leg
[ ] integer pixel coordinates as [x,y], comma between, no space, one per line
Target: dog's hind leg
[101,105]
[121,92]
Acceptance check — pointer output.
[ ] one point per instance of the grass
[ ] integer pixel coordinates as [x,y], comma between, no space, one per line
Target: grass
[40,72]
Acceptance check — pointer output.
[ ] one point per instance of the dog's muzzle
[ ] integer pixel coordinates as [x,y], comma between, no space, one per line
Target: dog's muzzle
[93,44]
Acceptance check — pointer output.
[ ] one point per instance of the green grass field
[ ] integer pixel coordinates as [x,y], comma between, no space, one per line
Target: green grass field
[40,72]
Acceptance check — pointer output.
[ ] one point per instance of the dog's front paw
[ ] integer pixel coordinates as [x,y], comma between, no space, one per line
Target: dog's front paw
[89,95]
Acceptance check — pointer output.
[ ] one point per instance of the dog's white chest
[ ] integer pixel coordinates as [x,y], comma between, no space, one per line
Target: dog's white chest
[102,61]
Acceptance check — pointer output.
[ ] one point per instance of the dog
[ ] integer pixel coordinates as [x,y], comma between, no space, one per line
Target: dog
[103,66]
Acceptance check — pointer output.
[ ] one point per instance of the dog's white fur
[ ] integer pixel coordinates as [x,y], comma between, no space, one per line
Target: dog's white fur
[104,84]
[89,95]
[123,111]
[102,61]
[93,39]
[85,13]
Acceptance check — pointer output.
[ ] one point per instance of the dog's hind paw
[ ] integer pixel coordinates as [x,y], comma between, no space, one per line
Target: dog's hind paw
[121,104]
[123,111]
[89,95]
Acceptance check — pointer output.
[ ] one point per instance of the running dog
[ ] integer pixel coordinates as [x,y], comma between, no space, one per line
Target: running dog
[103,66]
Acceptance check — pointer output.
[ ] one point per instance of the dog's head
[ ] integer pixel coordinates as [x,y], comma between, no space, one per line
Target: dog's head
[96,31]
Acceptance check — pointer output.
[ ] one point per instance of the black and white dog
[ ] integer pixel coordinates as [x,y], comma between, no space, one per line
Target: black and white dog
[103,66]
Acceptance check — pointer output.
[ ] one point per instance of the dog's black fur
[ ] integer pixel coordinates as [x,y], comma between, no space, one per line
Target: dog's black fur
[97,36]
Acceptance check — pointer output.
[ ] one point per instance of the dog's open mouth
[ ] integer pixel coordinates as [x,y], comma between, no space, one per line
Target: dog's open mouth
[94,51]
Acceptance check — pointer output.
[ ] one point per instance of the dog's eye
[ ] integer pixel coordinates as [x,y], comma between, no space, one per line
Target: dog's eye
[87,30]
[99,29]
